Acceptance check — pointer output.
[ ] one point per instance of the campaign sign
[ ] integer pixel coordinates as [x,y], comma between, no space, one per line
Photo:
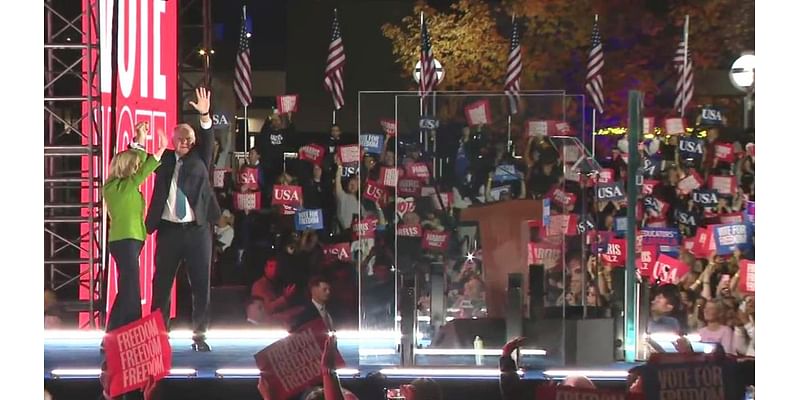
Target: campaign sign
[728,237]
[660,237]
[563,129]
[690,147]
[747,276]
[313,153]
[647,257]
[409,230]
[750,212]
[308,220]
[703,242]
[620,225]
[560,392]
[389,127]
[409,187]
[428,123]
[614,253]
[388,176]
[648,185]
[610,192]
[655,207]
[432,240]
[287,194]
[606,176]
[505,173]
[405,205]
[724,152]
[545,254]
[287,103]
[338,251]
[365,228]
[246,201]
[561,197]
[135,352]
[585,225]
[536,128]
[675,126]
[668,270]
[690,182]
[350,155]
[418,170]
[349,171]
[545,212]
[442,201]
[372,143]
[373,191]
[705,198]
[291,365]
[722,184]
[683,217]
[247,178]
[711,116]
[691,376]
[478,113]
[562,224]
[651,166]
[648,124]
[731,218]
[219,177]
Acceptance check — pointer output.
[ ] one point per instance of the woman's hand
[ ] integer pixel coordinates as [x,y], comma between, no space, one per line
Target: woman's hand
[142,129]
[512,345]
[163,142]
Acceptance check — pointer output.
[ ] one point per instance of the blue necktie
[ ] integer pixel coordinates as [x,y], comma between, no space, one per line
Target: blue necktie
[180,199]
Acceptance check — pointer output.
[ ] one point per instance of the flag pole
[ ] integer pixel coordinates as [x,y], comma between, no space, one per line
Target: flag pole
[421,77]
[685,58]
[246,131]
[336,17]
[334,116]
[594,115]
[508,123]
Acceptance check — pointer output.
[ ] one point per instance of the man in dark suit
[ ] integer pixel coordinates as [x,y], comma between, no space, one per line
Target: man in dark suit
[316,307]
[183,209]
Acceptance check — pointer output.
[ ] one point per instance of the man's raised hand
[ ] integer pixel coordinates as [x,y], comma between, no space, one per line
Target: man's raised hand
[203,103]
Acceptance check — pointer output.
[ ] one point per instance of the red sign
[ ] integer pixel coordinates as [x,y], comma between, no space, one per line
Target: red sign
[389,127]
[478,113]
[675,126]
[349,155]
[690,182]
[146,90]
[409,230]
[668,269]
[292,364]
[365,228]
[722,184]
[219,177]
[724,152]
[561,392]
[606,176]
[289,195]
[373,191]
[646,259]
[648,124]
[561,197]
[388,176]
[135,353]
[615,252]
[247,178]
[405,205]
[247,201]
[313,153]
[536,128]
[432,240]
[287,103]
[747,276]
[648,185]
[545,254]
[446,200]
[338,251]
[731,218]
[418,171]
[563,129]
[409,187]
[562,224]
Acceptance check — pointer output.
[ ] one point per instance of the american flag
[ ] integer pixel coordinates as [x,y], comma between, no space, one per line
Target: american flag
[242,84]
[684,90]
[513,71]
[335,66]
[427,76]
[594,81]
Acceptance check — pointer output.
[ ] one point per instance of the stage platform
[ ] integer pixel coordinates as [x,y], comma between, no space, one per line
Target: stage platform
[72,366]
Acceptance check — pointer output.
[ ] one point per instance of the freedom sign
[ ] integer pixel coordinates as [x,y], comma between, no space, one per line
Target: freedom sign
[287,103]
[419,171]
[247,201]
[747,276]
[409,187]
[388,176]
[310,219]
[536,128]
[675,126]
[292,364]
[313,153]
[728,237]
[372,143]
[668,270]
[135,352]
[478,113]
[289,195]
[219,177]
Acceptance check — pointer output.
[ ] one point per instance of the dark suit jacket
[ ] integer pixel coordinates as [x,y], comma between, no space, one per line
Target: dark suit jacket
[193,179]
[304,313]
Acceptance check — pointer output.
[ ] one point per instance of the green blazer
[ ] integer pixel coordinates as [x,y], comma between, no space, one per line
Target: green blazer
[125,202]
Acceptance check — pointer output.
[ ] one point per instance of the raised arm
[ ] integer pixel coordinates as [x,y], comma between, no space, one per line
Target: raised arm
[203,105]
[510,388]
[149,162]
[330,381]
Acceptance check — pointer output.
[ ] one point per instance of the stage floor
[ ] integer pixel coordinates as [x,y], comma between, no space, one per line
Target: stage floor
[72,361]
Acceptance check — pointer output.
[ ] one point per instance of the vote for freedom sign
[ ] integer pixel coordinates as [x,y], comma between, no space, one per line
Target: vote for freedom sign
[136,352]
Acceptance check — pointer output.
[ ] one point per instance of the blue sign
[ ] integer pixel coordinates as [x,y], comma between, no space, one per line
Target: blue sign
[690,148]
[428,123]
[610,192]
[505,173]
[620,225]
[546,212]
[750,212]
[660,237]
[651,166]
[711,116]
[308,220]
[372,143]
[728,237]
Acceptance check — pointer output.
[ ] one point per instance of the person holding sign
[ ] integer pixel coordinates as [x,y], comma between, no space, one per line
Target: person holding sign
[182,209]
[129,169]
[666,310]
[347,204]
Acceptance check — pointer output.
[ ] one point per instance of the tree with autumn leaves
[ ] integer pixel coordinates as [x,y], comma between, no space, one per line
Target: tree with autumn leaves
[471,39]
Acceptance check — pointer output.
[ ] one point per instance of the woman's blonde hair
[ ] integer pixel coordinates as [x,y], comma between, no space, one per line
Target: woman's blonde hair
[124,164]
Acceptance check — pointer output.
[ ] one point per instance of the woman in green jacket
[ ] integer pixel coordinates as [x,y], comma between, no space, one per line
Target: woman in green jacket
[125,203]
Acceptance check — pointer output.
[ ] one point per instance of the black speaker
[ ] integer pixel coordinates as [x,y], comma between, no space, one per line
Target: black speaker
[536,285]
[514,306]
[460,333]
[228,306]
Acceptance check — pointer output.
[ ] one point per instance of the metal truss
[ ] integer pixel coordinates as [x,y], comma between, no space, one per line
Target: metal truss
[194,51]
[73,218]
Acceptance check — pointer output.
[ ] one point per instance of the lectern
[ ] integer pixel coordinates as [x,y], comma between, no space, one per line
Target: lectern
[504,233]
